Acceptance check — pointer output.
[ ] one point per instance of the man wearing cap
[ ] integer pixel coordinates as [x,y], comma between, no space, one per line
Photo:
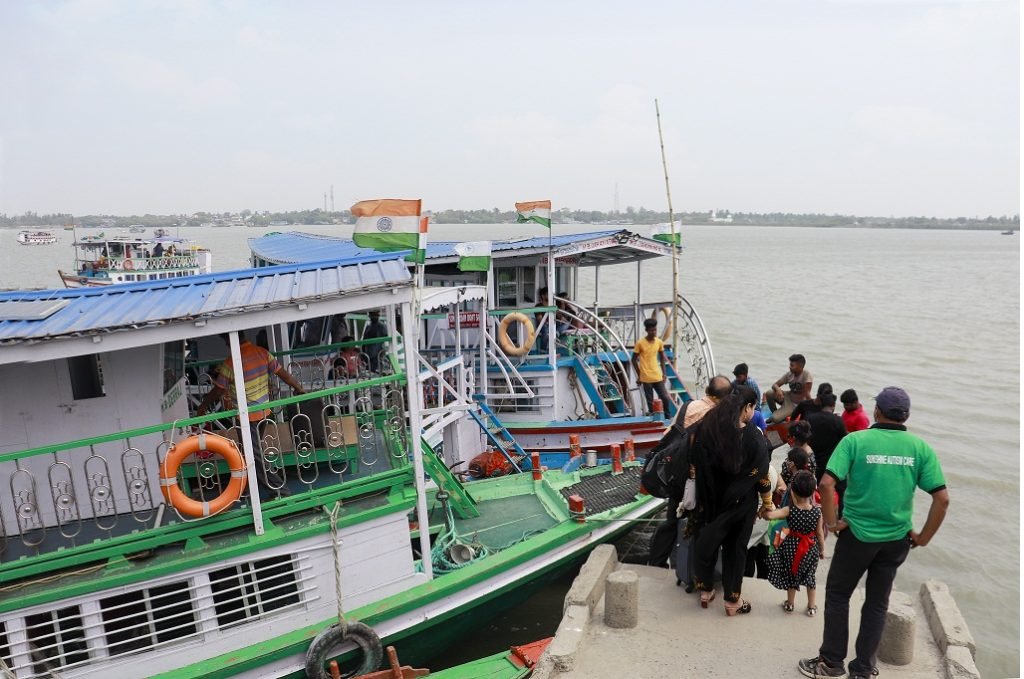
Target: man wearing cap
[648,357]
[883,466]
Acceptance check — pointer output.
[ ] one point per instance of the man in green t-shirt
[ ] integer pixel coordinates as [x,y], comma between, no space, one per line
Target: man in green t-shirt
[883,467]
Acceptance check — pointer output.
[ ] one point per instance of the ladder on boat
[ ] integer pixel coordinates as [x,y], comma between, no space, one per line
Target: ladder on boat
[496,433]
[675,386]
[462,502]
[609,388]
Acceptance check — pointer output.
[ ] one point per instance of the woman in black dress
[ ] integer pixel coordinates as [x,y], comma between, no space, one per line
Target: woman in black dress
[731,463]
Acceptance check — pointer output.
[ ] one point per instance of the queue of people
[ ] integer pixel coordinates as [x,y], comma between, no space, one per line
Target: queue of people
[841,476]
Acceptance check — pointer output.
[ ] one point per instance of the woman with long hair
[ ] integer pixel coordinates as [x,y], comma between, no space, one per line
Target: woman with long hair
[731,462]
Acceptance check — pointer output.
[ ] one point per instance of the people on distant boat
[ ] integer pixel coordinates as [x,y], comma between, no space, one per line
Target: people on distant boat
[811,405]
[883,467]
[854,416]
[375,329]
[158,250]
[799,381]
[145,253]
[257,366]
[827,430]
[743,379]
[794,563]
[648,359]
[731,461]
[169,252]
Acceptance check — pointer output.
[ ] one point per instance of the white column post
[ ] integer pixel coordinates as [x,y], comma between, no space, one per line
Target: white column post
[552,336]
[410,329]
[246,435]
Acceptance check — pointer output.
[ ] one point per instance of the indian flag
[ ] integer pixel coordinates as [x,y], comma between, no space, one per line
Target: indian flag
[419,255]
[387,225]
[474,256]
[663,232]
[538,211]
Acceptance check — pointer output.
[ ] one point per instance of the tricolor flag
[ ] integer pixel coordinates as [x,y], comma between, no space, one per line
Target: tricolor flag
[535,211]
[474,256]
[388,225]
[419,255]
[663,232]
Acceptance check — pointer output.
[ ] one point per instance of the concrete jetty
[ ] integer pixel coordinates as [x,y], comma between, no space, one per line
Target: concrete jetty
[623,620]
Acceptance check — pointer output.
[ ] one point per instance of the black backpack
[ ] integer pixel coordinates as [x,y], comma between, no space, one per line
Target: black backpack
[668,464]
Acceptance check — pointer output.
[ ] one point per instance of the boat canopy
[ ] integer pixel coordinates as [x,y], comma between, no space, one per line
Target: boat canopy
[584,249]
[188,307]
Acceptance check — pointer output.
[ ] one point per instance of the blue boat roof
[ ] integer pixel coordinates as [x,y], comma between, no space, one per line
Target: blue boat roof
[296,246]
[35,315]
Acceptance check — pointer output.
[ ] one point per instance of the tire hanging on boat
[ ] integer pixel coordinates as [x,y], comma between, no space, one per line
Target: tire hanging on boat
[506,342]
[188,447]
[361,634]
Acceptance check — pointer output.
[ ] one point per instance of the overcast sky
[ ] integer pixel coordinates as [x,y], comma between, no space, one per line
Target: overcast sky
[872,107]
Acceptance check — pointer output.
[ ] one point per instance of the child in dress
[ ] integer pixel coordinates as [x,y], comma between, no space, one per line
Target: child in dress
[795,562]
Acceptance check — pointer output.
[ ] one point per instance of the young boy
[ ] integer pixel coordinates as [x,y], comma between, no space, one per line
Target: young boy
[648,357]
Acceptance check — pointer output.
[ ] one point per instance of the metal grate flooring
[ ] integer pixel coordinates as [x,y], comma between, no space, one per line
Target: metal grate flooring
[604,491]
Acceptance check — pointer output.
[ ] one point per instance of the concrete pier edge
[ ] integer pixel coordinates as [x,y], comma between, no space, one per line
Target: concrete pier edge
[952,638]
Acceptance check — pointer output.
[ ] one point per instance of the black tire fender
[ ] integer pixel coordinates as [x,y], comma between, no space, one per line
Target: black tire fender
[361,634]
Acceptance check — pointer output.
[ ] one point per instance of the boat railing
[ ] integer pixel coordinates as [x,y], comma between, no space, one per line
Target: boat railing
[505,388]
[153,263]
[98,494]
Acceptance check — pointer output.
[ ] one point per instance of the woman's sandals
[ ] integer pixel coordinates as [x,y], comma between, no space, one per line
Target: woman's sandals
[812,611]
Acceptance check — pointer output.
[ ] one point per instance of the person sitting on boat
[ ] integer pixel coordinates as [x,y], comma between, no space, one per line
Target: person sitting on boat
[648,359]
[158,250]
[743,379]
[169,252]
[258,365]
[811,405]
[799,380]
[349,362]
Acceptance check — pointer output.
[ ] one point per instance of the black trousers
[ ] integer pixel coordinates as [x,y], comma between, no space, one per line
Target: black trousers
[851,559]
[728,533]
[666,398]
[664,539]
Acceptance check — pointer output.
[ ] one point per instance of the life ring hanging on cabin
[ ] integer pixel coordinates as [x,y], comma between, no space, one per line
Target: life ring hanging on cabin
[506,343]
[667,313]
[190,446]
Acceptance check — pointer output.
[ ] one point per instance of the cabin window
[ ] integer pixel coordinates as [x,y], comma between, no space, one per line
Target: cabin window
[174,364]
[86,377]
[251,590]
[134,621]
[5,646]
[59,638]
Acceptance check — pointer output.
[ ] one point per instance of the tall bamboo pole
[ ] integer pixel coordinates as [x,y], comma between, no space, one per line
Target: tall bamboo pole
[675,248]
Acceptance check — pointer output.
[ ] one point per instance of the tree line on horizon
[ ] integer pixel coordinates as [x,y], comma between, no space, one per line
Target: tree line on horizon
[497,216]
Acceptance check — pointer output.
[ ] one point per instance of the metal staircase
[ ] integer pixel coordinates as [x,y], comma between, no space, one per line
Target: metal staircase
[496,433]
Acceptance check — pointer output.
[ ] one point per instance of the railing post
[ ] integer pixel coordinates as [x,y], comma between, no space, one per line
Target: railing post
[243,426]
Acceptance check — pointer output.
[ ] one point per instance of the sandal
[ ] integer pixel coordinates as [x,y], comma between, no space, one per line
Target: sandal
[740,607]
[812,611]
[706,598]
[786,606]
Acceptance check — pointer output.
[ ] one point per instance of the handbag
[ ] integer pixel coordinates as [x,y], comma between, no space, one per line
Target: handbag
[689,501]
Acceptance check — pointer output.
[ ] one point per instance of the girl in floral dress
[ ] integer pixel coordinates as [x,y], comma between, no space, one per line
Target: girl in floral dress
[795,562]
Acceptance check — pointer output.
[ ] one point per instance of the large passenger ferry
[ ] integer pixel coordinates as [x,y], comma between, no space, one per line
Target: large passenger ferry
[102,260]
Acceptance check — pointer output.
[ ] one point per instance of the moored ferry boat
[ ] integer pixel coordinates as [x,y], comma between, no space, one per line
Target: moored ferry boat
[102,260]
[135,546]
[36,238]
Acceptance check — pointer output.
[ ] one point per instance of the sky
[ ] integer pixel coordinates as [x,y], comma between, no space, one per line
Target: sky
[867,107]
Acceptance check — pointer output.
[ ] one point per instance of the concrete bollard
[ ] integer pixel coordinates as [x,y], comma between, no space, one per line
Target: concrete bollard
[535,463]
[630,450]
[622,599]
[574,446]
[616,458]
[897,646]
[658,409]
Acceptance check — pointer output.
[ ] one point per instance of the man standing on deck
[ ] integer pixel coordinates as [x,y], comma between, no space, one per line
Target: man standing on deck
[257,366]
[375,329]
[827,430]
[883,466]
[799,381]
[648,357]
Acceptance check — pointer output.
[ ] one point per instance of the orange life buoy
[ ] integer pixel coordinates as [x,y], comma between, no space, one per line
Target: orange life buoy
[506,343]
[190,446]
[128,266]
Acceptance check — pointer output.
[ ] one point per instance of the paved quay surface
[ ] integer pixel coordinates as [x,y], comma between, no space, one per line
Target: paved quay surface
[674,637]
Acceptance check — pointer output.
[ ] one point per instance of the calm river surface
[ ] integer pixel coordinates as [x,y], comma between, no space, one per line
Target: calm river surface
[936,312]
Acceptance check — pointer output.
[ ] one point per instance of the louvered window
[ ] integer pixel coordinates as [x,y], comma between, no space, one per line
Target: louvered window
[251,590]
[56,639]
[138,620]
[5,646]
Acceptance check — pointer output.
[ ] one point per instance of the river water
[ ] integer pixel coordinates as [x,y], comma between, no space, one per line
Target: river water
[936,312]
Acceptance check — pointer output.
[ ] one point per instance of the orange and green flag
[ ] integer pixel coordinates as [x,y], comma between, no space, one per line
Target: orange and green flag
[538,211]
[389,225]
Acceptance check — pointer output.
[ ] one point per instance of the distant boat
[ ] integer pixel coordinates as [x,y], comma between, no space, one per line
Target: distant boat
[137,228]
[102,260]
[1009,232]
[36,238]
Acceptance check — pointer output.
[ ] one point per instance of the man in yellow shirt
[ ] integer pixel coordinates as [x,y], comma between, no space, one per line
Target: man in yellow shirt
[648,357]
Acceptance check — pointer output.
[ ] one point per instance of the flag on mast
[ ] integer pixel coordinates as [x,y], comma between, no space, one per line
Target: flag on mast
[419,255]
[388,225]
[538,211]
[663,232]
[474,256]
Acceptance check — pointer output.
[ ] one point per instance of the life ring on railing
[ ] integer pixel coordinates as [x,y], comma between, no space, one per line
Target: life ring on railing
[128,265]
[361,634]
[667,313]
[190,446]
[506,343]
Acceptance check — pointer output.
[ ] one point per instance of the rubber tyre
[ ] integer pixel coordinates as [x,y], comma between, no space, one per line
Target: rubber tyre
[362,635]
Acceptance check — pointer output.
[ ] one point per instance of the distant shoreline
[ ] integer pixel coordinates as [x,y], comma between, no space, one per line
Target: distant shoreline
[916,227]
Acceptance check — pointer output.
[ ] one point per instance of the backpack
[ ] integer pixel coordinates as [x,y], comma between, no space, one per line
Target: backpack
[668,464]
